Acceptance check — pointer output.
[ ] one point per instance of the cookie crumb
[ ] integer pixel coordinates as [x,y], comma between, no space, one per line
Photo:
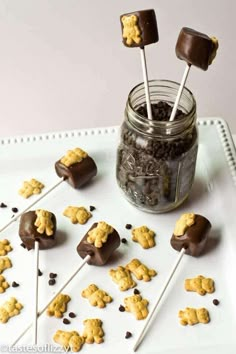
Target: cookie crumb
[39,272]
[3,205]
[52,282]
[72,315]
[136,292]
[128,334]
[52,275]
[14,210]
[66,321]
[92,208]
[128,226]
[123,240]
[122,308]
[15,284]
[216,302]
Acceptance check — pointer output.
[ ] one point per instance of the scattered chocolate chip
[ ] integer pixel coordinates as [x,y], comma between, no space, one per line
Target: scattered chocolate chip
[136,292]
[23,245]
[92,208]
[72,315]
[52,282]
[128,334]
[39,273]
[3,205]
[128,226]
[121,308]
[216,302]
[123,240]
[52,275]
[66,321]
[15,210]
[14,284]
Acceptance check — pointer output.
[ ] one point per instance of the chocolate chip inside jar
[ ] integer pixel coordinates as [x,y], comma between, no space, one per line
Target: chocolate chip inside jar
[156,171]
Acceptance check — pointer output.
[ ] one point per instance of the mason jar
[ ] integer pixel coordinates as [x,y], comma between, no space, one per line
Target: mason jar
[156,158]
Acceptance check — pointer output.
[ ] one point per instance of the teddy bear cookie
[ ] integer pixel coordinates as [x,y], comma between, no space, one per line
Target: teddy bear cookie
[9,309]
[144,236]
[93,331]
[5,263]
[69,340]
[191,316]
[200,284]
[5,247]
[137,305]
[122,277]
[140,271]
[31,187]
[139,28]
[58,306]
[77,214]
[99,235]
[96,296]
[3,284]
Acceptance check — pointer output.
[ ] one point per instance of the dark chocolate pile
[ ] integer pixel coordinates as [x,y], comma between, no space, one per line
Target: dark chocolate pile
[161,111]
[155,173]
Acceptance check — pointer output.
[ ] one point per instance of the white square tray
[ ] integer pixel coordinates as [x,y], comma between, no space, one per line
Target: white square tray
[213,195]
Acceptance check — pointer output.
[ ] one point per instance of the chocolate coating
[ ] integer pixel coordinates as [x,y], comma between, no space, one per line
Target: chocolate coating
[79,173]
[195,238]
[141,28]
[29,234]
[99,256]
[195,48]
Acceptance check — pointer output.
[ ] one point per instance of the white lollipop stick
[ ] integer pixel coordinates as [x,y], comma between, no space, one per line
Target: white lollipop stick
[32,204]
[36,267]
[85,260]
[181,87]
[146,86]
[143,332]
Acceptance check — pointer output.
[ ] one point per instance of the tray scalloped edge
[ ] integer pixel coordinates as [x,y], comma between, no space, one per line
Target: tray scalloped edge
[222,128]
[226,141]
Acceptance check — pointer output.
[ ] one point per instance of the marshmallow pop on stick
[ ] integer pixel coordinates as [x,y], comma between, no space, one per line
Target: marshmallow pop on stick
[196,49]
[96,248]
[76,167]
[139,29]
[37,230]
[189,237]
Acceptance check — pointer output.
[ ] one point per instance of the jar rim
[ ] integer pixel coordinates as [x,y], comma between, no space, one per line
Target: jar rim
[156,123]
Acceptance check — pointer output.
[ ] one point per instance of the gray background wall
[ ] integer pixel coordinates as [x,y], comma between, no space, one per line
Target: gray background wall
[63,66]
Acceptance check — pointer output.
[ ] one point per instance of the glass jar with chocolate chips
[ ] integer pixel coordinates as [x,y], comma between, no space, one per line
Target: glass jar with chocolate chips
[156,158]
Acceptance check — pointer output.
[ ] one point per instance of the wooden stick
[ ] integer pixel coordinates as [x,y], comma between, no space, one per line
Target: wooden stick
[85,260]
[181,87]
[146,86]
[143,332]
[36,267]
[32,204]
